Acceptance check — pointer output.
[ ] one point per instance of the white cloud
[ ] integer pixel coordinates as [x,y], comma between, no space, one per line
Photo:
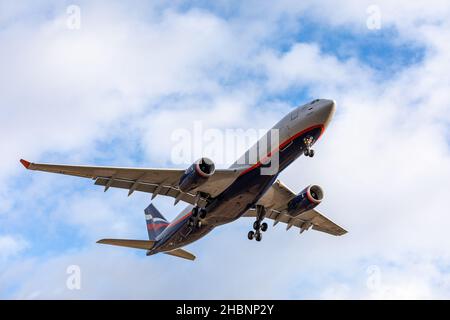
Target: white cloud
[411,278]
[11,246]
[304,66]
[79,82]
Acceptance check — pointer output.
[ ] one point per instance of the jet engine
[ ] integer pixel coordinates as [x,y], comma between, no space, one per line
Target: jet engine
[306,200]
[197,174]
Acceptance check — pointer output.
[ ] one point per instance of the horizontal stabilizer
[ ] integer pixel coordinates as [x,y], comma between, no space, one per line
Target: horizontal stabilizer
[137,244]
[181,254]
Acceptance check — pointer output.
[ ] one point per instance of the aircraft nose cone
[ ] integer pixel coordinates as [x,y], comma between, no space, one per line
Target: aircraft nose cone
[327,111]
[330,106]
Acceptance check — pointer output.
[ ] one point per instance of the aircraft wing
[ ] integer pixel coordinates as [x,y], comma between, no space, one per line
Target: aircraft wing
[276,199]
[155,181]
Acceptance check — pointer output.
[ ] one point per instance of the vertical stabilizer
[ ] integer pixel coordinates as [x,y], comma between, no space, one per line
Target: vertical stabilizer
[156,222]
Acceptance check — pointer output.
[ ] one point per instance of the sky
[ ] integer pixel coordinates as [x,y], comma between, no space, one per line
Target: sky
[109,83]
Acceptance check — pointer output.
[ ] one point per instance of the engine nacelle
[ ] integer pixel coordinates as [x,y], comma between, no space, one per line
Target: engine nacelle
[197,174]
[306,200]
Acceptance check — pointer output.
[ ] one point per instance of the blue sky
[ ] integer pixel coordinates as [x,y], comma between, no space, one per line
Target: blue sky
[113,92]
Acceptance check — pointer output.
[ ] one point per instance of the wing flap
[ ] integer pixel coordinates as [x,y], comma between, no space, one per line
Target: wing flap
[165,190]
[323,224]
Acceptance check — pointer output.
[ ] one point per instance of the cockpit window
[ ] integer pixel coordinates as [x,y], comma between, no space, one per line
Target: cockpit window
[314,101]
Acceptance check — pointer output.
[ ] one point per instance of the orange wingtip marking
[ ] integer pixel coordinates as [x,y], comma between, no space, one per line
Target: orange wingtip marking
[25,163]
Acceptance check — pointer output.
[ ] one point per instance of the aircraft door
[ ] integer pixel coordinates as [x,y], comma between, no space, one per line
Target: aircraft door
[292,124]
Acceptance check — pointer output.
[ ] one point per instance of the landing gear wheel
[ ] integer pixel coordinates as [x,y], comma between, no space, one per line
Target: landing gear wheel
[264,227]
[311,153]
[195,212]
[258,225]
[202,214]
[306,153]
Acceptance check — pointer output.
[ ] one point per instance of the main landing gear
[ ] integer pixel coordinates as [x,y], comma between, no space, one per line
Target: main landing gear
[308,141]
[258,225]
[195,219]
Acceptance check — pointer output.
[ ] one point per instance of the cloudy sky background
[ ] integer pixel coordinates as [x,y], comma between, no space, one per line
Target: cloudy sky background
[113,92]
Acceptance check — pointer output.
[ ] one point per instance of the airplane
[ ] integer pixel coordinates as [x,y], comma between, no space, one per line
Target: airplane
[220,196]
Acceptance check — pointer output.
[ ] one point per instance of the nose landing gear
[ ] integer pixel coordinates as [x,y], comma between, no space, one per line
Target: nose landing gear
[308,143]
[258,225]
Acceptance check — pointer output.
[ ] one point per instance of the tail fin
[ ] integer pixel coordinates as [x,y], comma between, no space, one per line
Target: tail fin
[156,222]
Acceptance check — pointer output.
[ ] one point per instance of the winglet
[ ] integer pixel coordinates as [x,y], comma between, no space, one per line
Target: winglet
[25,163]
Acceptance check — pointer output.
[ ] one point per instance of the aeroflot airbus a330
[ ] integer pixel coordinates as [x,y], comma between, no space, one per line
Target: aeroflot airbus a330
[217,197]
